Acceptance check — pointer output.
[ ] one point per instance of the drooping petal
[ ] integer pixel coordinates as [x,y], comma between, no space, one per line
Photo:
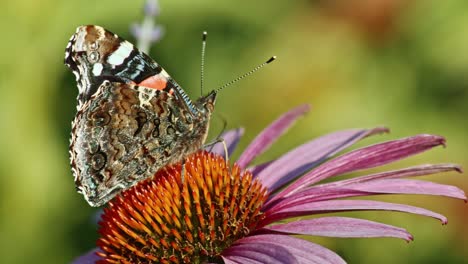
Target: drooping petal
[405,186]
[344,205]
[231,139]
[303,250]
[260,253]
[312,195]
[256,169]
[270,134]
[228,261]
[88,258]
[364,158]
[341,227]
[309,155]
[356,187]
[401,173]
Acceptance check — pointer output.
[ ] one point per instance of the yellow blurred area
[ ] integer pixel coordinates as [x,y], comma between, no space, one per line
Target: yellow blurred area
[360,63]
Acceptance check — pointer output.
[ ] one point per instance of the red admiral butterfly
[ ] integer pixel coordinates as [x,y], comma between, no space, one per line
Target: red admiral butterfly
[132,117]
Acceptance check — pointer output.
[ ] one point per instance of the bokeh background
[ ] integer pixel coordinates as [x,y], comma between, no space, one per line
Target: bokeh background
[360,63]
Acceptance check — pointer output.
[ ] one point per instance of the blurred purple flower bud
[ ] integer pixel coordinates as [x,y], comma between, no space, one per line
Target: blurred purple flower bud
[154,35]
[147,32]
[151,8]
[135,30]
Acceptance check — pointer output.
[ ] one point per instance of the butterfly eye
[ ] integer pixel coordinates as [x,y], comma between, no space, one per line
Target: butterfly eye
[93,57]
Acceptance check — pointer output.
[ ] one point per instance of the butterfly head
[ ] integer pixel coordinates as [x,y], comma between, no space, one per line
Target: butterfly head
[205,104]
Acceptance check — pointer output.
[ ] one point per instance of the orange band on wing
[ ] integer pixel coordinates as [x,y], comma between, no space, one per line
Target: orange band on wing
[154,82]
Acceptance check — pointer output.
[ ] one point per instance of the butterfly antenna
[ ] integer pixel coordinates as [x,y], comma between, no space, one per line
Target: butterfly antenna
[246,74]
[202,73]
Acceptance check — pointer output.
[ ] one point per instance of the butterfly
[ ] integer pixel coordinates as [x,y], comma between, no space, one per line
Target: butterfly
[132,118]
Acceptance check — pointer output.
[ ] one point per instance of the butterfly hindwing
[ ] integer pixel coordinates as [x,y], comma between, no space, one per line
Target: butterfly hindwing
[123,132]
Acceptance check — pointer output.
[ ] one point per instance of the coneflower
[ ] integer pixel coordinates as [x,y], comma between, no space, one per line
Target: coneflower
[235,214]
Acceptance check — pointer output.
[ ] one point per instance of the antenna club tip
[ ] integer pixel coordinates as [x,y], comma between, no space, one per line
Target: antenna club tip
[204,35]
[271,59]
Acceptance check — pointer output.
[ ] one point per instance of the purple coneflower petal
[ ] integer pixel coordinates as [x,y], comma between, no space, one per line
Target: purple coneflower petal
[228,261]
[231,139]
[303,250]
[314,195]
[364,158]
[357,187]
[256,169]
[341,227]
[405,186]
[257,253]
[309,155]
[270,134]
[88,258]
[401,173]
[344,205]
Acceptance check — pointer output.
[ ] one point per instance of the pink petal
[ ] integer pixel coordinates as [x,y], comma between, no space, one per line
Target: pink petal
[341,227]
[406,172]
[231,139]
[228,261]
[313,195]
[344,205]
[259,253]
[256,169]
[405,186]
[368,157]
[303,250]
[303,158]
[270,134]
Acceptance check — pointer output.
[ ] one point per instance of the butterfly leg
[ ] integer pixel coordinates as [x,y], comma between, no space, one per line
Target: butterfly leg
[182,171]
[219,139]
[222,141]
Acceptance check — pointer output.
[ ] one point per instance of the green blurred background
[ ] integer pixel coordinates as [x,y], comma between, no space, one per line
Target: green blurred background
[360,63]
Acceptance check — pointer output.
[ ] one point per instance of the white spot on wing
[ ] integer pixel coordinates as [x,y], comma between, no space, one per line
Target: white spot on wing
[122,52]
[97,69]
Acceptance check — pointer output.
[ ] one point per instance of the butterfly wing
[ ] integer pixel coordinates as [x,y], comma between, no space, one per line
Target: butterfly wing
[95,54]
[124,134]
[132,117]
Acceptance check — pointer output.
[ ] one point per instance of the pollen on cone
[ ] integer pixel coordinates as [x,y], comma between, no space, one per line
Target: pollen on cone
[169,220]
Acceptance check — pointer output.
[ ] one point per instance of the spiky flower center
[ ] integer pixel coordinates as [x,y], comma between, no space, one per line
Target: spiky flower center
[170,219]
